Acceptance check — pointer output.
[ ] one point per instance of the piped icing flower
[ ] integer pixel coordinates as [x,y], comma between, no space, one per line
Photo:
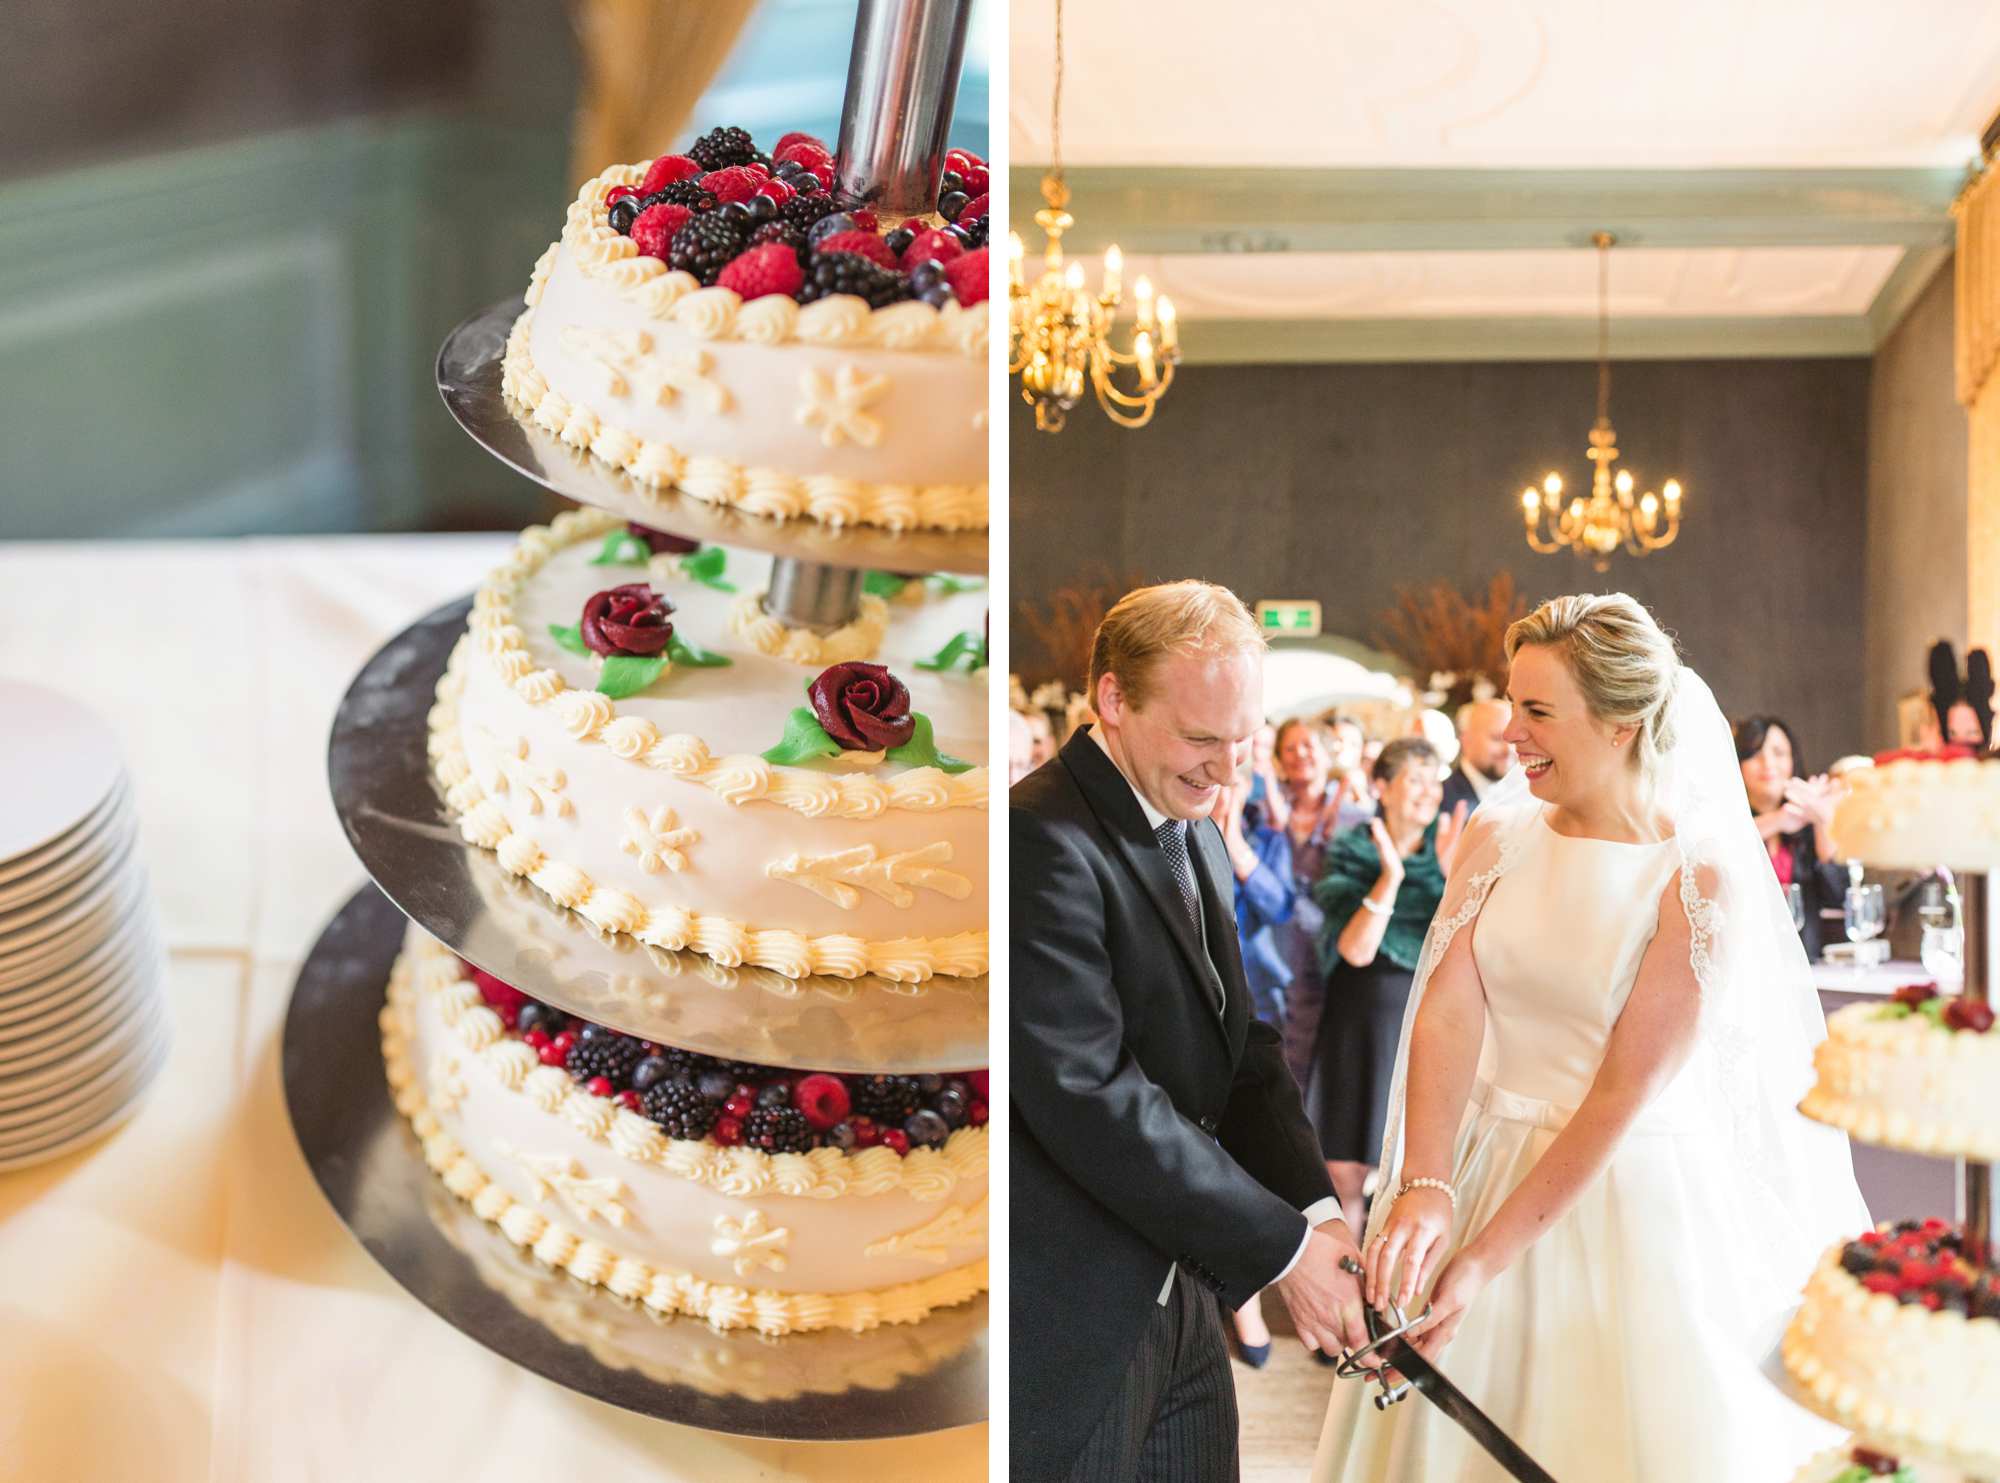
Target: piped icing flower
[630,620]
[862,706]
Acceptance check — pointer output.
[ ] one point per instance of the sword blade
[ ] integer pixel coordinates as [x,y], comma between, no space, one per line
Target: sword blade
[1449,1399]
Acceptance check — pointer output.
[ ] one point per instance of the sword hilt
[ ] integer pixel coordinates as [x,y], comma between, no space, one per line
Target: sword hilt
[1354,1363]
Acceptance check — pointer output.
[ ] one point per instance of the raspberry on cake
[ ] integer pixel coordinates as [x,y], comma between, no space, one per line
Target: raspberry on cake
[718,262]
[1899,1336]
[723,1196]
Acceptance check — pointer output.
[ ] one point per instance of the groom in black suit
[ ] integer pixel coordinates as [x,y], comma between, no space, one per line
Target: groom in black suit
[1159,1151]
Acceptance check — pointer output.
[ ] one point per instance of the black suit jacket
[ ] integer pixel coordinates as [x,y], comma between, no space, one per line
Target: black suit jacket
[1457,790]
[1150,1125]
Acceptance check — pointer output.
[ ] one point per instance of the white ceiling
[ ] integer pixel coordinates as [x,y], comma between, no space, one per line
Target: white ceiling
[1487,83]
[1545,85]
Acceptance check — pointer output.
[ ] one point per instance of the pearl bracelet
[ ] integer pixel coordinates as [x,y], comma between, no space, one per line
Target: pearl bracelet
[1380,908]
[1436,1184]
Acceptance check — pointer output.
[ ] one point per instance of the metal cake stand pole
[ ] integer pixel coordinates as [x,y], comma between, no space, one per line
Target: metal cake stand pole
[902,82]
[1976,1189]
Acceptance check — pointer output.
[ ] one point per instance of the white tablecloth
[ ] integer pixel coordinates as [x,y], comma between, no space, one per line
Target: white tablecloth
[178,1302]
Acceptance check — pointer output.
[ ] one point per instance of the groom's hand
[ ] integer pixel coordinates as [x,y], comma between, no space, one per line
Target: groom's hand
[1325,1302]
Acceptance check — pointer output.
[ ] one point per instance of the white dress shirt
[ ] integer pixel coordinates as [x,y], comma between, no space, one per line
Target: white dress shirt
[1319,1211]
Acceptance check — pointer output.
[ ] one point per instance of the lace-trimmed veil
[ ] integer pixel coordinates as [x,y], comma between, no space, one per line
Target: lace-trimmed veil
[1760,1013]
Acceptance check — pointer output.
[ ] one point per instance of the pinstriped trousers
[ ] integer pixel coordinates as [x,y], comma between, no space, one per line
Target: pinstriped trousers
[1173,1418]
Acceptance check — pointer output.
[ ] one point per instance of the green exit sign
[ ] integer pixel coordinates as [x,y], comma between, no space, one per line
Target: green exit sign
[1293,618]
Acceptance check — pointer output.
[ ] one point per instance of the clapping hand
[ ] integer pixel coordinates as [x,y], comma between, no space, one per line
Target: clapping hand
[1392,862]
[1811,801]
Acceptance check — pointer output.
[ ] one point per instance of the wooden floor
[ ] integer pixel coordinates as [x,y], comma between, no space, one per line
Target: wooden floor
[1282,1405]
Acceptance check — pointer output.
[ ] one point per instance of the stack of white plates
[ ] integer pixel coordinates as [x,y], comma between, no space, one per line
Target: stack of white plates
[83,1024]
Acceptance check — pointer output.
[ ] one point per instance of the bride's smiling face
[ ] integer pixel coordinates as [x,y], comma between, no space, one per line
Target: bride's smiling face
[1567,752]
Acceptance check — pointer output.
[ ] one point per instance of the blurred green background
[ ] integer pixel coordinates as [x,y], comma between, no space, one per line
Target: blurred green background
[232,238]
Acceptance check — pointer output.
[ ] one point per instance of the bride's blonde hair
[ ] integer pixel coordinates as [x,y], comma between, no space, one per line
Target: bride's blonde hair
[1624,663]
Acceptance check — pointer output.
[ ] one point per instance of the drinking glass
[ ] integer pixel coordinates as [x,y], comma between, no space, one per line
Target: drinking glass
[1943,945]
[1865,914]
[1796,900]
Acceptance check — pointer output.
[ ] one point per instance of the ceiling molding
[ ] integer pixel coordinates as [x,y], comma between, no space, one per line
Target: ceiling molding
[1147,209]
[1298,341]
[1903,287]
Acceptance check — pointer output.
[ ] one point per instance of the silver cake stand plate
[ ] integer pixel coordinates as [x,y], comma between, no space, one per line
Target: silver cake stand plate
[899,1380]
[468,377]
[457,892]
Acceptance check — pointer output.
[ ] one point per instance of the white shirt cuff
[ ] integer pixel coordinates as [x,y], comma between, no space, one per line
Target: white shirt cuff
[1316,1214]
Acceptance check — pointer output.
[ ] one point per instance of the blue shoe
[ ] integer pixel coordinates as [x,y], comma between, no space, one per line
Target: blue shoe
[1254,1355]
[1329,1360]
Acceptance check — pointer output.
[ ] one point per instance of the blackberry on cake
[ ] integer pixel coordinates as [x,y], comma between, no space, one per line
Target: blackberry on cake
[718,149]
[606,1053]
[680,1109]
[781,1129]
[885,1099]
[705,246]
[849,273]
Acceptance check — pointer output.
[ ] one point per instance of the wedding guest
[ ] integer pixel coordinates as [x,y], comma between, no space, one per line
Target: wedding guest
[1042,738]
[1794,819]
[1263,767]
[1313,808]
[1266,892]
[1261,858]
[1353,754]
[1381,886]
[1484,753]
[1020,747]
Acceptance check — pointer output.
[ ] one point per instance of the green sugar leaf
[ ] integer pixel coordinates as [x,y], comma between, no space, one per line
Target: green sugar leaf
[621,548]
[627,674]
[948,586]
[921,750]
[570,637]
[1892,1012]
[968,645]
[683,652]
[883,584]
[706,567]
[805,740]
[1933,1009]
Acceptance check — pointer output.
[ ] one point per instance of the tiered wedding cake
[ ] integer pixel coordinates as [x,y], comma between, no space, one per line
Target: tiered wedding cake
[625,726]
[1899,1331]
[710,321]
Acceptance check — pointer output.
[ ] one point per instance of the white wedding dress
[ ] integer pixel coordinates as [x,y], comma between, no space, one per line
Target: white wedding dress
[1623,1344]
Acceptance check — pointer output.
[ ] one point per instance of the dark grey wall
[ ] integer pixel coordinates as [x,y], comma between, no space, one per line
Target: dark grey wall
[1918,467]
[1338,482]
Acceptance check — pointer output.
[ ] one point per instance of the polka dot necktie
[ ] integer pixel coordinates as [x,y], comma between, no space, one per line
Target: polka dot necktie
[1172,836]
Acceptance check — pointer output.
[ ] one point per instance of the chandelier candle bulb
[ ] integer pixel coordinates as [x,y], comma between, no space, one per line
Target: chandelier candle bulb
[1114,269]
[1143,291]
[1169,329]
[1143,344]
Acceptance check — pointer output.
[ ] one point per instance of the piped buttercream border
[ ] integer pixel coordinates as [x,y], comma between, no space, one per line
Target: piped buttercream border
[662,1289]
[656,465]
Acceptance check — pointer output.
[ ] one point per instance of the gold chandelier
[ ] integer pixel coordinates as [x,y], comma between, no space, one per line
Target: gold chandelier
[1059,333]
[1610,519]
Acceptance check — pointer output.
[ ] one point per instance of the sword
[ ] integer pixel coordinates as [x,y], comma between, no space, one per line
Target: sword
[1386,1346]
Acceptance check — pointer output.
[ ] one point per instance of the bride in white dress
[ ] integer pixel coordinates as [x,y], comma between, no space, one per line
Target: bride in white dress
[1593,1164]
